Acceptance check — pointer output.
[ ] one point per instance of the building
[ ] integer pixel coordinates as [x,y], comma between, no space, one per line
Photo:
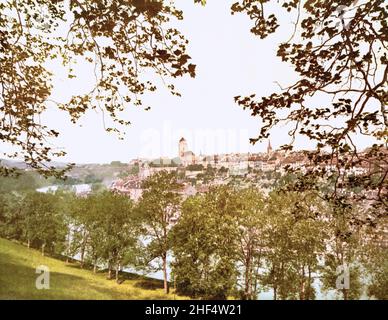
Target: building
[182,147]
[186,156]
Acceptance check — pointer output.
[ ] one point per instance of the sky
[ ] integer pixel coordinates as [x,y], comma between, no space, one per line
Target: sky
[230,61]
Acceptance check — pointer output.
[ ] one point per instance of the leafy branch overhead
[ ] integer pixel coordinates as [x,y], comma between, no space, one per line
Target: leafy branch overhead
[338,48]
[339,51]
[123,39]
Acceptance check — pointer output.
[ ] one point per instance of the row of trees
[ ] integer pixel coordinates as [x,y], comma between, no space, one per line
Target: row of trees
[238,242]
[223,243]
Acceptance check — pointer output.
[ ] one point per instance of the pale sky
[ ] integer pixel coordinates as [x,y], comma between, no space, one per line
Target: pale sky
[230,61]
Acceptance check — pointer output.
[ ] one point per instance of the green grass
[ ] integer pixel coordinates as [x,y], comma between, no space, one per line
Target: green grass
[67,281]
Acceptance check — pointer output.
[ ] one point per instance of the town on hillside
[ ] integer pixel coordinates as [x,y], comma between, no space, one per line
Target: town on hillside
[200,172]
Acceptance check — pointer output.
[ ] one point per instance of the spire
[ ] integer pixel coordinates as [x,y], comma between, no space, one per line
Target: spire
[269,147]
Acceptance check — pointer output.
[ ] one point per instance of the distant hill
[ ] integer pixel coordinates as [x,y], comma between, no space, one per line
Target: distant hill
[81,173]
[22,165]
[13,164]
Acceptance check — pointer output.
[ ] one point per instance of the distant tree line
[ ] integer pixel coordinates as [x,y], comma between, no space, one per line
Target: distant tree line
[224,243]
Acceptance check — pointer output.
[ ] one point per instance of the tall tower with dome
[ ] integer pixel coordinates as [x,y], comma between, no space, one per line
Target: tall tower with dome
[182,147]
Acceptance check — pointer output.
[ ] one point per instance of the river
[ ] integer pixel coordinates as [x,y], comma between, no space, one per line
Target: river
[77,188]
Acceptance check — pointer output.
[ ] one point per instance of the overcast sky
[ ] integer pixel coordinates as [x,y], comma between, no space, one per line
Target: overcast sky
[230,61]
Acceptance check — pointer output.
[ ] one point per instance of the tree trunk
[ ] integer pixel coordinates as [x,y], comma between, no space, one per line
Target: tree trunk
[109,270]
[255,286]
[302,286]
[83,248]
[95,265]
[248,282]
[68,247]
[274,293]
[165,282]
[345,294]
[309,293]
[82,255]
[28,243]
[117,271]
[43,245]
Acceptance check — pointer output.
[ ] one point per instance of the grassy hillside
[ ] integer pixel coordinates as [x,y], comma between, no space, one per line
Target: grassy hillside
[67,281]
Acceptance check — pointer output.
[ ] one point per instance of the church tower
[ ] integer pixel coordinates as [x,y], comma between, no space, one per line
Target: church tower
[269,147]
[182,147]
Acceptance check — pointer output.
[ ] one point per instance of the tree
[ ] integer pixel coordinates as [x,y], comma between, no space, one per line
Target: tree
[158,207]
[79,228]
[21,181]
[104,229]
[294,241]
[116,232]
[376,265]
[43,223]
[205,245]
[341,60]
[194,167]
[251,222]
[117,164]
[279,273]
[123,39]
[308,237]
[343,251]
[11,217]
